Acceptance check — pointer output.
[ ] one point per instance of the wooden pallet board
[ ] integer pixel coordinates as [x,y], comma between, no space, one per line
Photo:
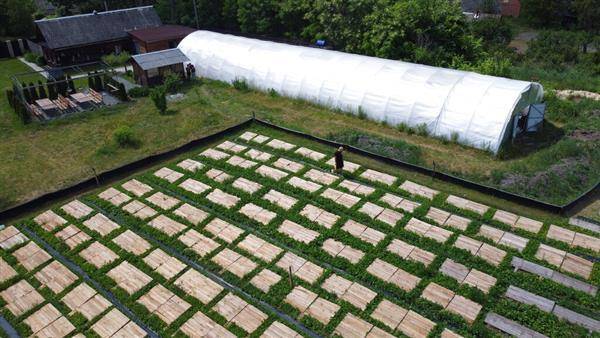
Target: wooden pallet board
[136,187]
[163,201]
[21,297]
[49,220]
[167,225]
[198,286]
[72,236]
[167,266]
[77,209]
[98,255]
[30,256]
[128,277]
[168,174]
[101,224]
[132,243]
[199,243]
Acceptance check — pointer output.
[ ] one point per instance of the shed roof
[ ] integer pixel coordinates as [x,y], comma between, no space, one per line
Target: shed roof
[160,58]
[472,6]
[77,30]
[165,32]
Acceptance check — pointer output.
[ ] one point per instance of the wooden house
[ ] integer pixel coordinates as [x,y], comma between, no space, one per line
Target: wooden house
[87,37]
[158,38]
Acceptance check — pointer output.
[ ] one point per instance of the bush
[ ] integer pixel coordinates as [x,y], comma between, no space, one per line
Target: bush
[10,97]
[273,93]
[42,90]
[454,137]
[158,96]
[124,137]
[556,48]
[122,92]
[241,85]
[116,60]
[402,127]
[22,112]
[422,130]
[172,82]
[38,59]
[493,31]
[362,114]
[139,92]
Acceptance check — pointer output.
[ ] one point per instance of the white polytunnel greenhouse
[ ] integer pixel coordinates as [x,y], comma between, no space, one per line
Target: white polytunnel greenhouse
[482,111]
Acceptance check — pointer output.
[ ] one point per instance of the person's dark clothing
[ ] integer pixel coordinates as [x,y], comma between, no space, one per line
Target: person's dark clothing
[339,160]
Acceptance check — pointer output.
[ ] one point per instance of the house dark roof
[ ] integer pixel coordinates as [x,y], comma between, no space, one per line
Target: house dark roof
[484,6]
[160,58]
[77,30]
[162,33]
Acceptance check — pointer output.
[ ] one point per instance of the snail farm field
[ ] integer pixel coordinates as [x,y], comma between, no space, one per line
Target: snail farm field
[254,236]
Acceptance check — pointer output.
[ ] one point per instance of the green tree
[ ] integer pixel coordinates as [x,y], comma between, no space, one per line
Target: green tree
[588,19]
[292,15]
[493,31]
[258,16]
[342,22]
[158,96]
[556,48]
[545,13]
[425,31]
[16,17]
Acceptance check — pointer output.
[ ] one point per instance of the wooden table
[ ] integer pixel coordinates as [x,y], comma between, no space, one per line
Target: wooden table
[81,97]
[46,104]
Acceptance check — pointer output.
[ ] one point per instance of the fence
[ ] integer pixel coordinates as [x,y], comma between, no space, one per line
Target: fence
[13,48]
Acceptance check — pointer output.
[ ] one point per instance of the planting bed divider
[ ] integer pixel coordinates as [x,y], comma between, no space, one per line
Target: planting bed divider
[255,235]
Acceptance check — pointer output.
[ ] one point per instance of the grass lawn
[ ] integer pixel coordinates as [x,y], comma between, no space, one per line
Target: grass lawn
[40,158]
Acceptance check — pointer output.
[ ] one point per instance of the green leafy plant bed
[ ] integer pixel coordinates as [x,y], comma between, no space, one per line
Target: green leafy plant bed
[221,218]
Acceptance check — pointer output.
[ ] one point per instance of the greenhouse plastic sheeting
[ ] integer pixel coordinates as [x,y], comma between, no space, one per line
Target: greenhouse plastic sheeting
[476,108]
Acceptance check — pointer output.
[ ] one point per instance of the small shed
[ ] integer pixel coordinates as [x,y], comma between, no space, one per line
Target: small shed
[153,39]
[149,69]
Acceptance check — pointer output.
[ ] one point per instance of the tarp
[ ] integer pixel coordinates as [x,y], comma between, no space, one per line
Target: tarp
[477,108]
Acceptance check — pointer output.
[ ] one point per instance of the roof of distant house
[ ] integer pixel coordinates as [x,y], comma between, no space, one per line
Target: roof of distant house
[83,29]
[160,58]
[165,32]
[472,6]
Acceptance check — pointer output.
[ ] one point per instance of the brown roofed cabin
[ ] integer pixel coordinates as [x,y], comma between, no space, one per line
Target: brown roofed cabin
[149,69]
[87,37]
[158,38]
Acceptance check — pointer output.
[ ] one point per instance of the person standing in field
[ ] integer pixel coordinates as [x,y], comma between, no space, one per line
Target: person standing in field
[339,160]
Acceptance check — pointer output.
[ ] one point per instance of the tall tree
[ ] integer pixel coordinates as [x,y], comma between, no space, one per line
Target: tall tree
[258,16]
[545,13]
[425,31]
[16,17]
[340,21]
[588,18]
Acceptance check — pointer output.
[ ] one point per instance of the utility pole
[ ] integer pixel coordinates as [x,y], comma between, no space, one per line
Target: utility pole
[196,14]
[105,6]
